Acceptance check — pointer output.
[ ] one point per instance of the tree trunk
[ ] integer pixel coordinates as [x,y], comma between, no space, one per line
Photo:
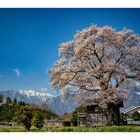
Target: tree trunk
[113,115]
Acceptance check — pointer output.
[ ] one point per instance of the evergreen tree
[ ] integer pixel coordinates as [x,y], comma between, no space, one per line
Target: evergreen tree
[8,100]
[21,103]
[15,101]
[1,98]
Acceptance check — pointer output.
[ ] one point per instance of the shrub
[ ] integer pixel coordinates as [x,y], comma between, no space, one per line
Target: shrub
[24,116]
[38,119]
[66,123]
[136,115]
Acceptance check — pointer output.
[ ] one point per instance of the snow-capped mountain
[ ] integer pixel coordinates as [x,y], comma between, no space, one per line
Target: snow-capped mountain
[58,104]
[55,103]
[28,96]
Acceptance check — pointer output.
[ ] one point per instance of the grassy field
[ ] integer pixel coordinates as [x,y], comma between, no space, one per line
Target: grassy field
[12,129]
[74,129]
[99,129]
[17,129]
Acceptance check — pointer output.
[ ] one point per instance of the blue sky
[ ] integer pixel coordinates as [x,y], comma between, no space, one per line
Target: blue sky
[30,38]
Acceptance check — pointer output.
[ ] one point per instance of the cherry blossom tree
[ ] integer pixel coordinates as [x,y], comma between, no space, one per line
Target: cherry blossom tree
[99,63]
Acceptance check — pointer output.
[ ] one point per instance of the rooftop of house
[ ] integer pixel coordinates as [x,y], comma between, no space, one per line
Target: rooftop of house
[65,117]
[132,108]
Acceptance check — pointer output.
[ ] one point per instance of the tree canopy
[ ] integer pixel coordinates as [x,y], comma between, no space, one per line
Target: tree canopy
[1,98]
[13,110]
[24,116]
[38,119]
[100,63]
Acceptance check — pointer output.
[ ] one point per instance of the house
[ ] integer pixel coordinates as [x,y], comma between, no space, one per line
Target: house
[94,116]
[9,123]
[131,110]
[97,116]
[57,122]
[52,123]
[127,115]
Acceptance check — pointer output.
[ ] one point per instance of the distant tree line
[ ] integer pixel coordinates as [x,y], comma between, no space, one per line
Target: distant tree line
[26,114]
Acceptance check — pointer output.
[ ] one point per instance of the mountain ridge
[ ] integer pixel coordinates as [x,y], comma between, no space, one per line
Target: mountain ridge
[57,104]
[53,102]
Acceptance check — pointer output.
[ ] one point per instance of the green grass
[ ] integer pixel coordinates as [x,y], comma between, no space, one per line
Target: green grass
[12,129]
[74,129]
[18,129]
[99,129]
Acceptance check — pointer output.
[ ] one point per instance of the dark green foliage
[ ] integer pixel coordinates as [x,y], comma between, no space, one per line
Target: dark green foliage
[1,98]
[66,123]
[6,112]
[49,115]
[24,116]
[38,119]
[8,100]
[13,110]
[20,103]
[136,115]
[74,121]
[15,101]
[8,109]
[75,113]
[28,115]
